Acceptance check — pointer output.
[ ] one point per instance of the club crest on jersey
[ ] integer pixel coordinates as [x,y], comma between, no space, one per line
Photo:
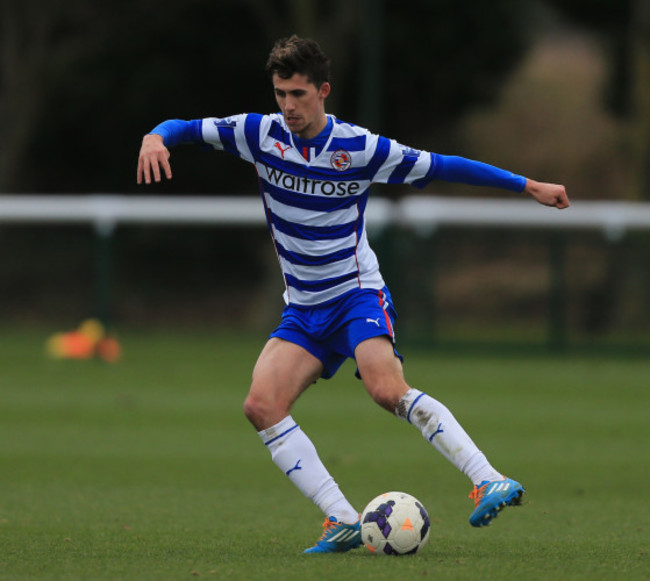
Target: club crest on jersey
[341,160]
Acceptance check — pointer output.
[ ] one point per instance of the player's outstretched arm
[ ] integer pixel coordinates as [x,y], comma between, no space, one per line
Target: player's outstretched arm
[553,195]
[453,168]
[153,156]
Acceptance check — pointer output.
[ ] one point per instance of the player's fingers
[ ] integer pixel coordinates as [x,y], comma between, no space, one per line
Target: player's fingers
[143,172]
[166,167]
[562,200]
[153,158]
[155,166]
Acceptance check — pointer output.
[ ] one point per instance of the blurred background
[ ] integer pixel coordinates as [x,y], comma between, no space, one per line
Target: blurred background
[558,90]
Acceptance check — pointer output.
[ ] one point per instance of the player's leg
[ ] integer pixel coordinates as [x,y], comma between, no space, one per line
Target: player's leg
[382,375]
[282,373]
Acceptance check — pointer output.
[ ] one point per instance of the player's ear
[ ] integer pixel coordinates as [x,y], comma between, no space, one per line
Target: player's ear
[324,90]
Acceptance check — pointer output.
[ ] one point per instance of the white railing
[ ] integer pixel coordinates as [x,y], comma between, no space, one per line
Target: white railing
[422,214]
[426,213]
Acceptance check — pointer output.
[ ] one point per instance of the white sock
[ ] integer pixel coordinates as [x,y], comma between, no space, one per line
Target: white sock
[441,429]
[293,452]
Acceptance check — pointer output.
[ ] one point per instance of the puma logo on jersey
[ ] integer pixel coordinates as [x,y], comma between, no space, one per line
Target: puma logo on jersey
[282,149]
[375,321]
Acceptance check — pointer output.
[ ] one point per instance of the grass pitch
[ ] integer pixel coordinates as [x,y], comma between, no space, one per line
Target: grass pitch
[147,469]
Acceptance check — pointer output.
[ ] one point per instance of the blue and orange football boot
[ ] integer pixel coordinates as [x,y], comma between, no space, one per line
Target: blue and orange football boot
[491,497]
[337,537]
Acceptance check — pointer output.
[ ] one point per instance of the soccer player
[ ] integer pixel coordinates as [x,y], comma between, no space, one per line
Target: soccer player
[314,176]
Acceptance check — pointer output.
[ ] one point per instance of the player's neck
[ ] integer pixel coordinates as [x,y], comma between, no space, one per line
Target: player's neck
[314,128]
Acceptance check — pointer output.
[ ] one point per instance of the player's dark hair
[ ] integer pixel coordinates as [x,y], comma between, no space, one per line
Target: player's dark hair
[299,55]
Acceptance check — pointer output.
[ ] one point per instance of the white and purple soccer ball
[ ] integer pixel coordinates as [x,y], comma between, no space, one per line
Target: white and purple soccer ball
[394,523]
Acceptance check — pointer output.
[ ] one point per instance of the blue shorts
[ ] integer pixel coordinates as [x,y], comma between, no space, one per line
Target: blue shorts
[332,332]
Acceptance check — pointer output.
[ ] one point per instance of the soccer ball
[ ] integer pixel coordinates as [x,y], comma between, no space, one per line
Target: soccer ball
[394,523]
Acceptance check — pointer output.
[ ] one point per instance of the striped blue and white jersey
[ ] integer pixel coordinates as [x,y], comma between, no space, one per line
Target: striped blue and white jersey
[315,207]
[315,192]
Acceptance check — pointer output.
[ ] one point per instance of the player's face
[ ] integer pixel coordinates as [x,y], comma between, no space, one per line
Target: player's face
[302,104]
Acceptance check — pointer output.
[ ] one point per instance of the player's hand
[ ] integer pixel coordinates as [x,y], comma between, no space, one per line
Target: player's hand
[153,156]
[553,195]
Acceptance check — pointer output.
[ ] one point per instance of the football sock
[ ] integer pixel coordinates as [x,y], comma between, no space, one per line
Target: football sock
[293,452]
[440,428]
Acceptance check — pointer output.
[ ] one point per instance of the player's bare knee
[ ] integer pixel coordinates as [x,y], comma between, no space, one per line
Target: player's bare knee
[256,409]
[263,411]
[387,395]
